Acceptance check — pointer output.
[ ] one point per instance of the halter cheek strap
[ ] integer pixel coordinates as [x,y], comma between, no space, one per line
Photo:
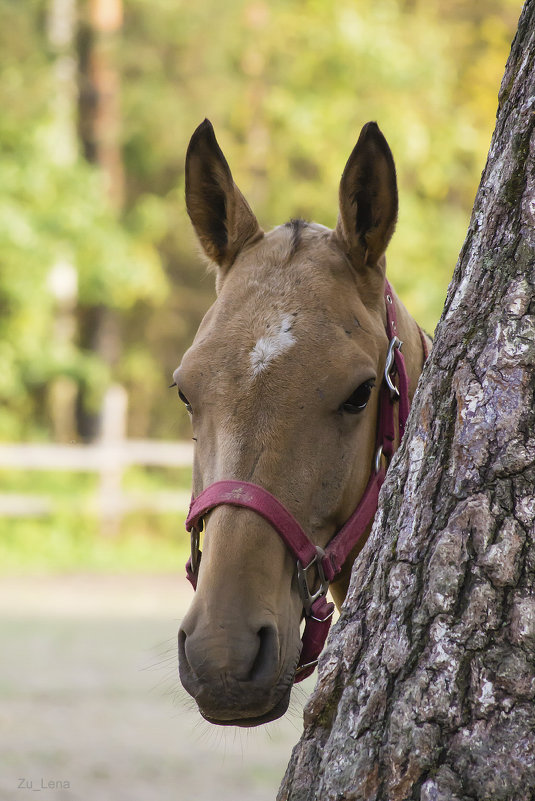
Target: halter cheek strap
[327,563]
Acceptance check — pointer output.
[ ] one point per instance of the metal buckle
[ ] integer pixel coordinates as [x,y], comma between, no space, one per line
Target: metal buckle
[394,343]
[195,538]
[307,597]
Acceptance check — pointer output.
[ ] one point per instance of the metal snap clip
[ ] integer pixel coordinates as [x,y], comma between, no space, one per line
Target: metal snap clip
[392,345]
[307,597]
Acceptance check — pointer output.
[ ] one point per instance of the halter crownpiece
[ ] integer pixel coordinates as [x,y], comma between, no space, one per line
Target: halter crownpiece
[327,562]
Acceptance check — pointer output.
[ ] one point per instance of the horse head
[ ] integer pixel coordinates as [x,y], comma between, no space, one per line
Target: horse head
[283,384]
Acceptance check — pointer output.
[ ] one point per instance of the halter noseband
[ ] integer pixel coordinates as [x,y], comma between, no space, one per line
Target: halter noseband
[329,561]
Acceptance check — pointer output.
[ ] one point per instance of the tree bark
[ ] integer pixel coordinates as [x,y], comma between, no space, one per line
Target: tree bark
[427,687]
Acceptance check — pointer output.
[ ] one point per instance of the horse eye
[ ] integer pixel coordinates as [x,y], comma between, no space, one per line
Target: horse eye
[359,399]
[185,401]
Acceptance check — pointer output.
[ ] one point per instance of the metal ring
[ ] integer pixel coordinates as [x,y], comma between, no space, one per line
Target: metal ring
[304,667]
[322,619]
[377,460]
[195,538]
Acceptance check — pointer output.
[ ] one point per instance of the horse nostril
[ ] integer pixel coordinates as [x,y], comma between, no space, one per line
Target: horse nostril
[266,659]
[253,658]
[182,658]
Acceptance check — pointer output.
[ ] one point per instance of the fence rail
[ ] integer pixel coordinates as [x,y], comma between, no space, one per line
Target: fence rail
[108,459]
[97,457]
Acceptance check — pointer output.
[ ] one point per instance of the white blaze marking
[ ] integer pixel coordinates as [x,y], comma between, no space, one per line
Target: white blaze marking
[272,345]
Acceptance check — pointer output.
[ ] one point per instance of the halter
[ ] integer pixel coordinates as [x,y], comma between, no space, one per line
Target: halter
[328,562]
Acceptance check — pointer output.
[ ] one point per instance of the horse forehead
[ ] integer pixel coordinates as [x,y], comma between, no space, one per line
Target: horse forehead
[291,297]
[278,337]
[295,266]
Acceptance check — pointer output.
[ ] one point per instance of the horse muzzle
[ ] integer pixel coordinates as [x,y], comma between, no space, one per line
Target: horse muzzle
[235,676]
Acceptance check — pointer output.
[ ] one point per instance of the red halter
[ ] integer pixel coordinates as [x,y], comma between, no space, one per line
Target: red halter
[328,562]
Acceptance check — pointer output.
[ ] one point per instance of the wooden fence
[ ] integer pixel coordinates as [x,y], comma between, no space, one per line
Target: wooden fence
[108,458]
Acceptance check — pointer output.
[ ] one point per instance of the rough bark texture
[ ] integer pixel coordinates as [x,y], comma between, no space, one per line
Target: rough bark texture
[427,687]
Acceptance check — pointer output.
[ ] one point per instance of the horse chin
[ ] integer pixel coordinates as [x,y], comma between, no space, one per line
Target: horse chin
[249,722]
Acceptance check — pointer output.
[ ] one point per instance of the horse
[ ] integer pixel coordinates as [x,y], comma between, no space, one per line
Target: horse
[291,387]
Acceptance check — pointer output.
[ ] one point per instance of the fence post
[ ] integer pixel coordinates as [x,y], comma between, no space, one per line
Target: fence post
[112,438]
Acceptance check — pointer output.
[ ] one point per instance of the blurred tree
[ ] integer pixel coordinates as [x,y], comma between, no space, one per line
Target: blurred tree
[100,131]
[51,210]
[63,277]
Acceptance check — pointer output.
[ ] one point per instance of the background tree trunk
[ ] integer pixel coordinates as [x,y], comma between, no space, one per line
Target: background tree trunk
[100,124]
[63,277]
[427,687]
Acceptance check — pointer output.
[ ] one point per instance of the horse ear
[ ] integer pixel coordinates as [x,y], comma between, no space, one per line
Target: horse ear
[368,199]
[221,216]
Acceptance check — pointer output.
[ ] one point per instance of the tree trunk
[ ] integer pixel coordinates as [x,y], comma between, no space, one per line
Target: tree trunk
[100,109]
[427,687]
[62,391]
[100,117]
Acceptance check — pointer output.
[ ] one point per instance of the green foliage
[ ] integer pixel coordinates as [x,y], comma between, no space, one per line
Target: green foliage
[51,210]
[288,85]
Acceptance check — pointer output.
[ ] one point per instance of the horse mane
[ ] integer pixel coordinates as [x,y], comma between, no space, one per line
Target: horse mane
[297,226]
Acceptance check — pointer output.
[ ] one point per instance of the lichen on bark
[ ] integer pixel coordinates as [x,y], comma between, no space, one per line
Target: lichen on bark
[426,689]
